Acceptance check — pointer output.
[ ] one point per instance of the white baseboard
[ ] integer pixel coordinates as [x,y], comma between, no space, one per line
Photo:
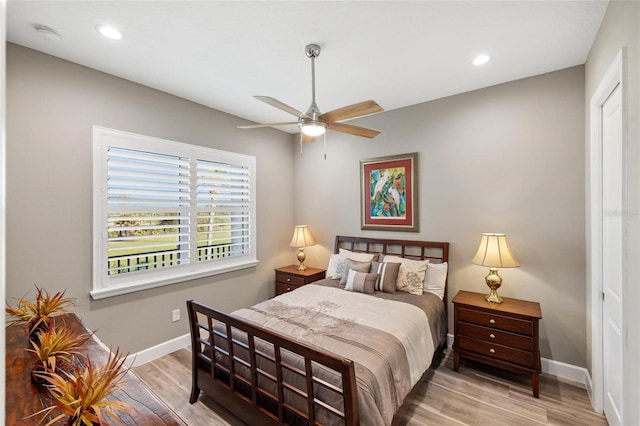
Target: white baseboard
[160,350]
[589,385]
[566,371]
[449,340]
[558,369]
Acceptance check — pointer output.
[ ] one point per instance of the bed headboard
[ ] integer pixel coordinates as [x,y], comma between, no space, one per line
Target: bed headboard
[436,252]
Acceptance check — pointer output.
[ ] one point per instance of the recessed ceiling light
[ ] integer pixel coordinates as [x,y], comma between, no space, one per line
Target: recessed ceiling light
[481,59]
[109,32]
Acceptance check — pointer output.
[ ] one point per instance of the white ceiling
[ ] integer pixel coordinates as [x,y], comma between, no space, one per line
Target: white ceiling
[399,53]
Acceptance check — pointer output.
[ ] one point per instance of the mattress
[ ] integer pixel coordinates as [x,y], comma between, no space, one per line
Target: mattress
[391,338]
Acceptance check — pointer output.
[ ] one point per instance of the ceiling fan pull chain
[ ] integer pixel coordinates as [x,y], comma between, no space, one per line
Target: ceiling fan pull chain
[325,145]
[300,144]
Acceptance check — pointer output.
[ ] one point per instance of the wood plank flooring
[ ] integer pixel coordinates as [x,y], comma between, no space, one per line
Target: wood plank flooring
[476,395]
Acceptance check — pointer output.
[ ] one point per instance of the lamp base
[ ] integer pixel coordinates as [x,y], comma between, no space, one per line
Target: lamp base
[494,281]
[493,297]
[301,258]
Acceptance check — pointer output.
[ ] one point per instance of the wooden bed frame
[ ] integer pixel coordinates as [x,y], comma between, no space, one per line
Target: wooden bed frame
[248,398]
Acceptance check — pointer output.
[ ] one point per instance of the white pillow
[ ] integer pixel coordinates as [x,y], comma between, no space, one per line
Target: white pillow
[360,257]
[336,261]
[411,274]
[435,278]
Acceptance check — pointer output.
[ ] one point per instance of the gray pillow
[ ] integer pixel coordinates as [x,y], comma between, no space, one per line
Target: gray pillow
[388,275]
[356,266]
[361,282]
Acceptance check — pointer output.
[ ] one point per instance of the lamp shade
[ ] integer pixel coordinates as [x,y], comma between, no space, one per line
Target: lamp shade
[494,252]
[301,237]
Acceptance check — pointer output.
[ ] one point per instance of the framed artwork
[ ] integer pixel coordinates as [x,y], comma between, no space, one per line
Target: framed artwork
[389,193]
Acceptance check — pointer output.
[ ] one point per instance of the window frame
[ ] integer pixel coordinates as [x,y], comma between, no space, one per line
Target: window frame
[105,285]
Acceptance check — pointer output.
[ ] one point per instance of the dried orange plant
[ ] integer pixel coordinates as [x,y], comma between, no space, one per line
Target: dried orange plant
[81,394]
[57,344]
[38,312]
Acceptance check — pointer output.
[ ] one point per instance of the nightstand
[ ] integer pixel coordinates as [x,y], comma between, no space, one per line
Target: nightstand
[289,278]
[502,335]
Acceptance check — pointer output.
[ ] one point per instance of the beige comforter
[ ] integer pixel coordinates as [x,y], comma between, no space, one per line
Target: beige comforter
[389,337]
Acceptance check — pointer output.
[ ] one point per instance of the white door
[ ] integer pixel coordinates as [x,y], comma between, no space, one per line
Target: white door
[613,243]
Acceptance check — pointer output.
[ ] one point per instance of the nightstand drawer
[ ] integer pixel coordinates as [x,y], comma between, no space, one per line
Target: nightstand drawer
[282,277]
[285,288]
[289,277]
[491,335]
[496,351]
[496,321]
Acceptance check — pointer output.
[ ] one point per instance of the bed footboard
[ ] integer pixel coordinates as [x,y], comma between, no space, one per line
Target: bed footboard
[264,377]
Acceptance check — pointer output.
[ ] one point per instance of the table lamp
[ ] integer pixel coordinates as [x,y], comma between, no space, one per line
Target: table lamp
[495,253]
[301,238]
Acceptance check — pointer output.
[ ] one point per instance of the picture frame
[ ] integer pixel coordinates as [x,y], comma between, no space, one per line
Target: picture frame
[389,193]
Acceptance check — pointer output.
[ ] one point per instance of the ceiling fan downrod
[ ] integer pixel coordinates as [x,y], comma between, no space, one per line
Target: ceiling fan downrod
[313,126]
[313,51]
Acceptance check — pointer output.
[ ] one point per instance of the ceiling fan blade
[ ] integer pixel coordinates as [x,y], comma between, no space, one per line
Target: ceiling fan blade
[352,111]
[354,130]
[257,126]
[284,107]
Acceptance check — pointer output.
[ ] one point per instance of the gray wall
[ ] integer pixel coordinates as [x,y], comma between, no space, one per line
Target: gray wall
[509,158]
[51,108]
[620,28]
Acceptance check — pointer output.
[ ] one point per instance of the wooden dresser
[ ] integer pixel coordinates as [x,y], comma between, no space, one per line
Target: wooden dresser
[502,335]
[23,398]
[289,278]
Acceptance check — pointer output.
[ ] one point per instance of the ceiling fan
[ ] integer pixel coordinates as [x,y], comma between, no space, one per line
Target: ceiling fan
[313,123]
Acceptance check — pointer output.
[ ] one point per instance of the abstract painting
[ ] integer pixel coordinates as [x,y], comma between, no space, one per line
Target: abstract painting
[389,189]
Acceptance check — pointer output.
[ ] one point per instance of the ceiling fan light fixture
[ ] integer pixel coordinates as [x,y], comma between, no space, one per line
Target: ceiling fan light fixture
[313,128]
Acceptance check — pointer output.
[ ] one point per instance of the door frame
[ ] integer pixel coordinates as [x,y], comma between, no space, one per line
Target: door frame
[615,75]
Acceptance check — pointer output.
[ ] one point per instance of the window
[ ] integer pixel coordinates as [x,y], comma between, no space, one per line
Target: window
[166,212]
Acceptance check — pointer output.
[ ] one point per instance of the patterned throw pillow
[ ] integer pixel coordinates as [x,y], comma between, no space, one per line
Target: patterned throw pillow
[353,265]
[361,282]
[411,274]
[388,275]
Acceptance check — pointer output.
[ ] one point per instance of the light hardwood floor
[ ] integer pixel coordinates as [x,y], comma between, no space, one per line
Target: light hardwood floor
[476,395]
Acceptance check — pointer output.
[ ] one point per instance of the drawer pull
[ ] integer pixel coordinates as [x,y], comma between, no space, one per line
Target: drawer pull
[492,321]
[289,279]
[493,351]
[288,288]
[493,336]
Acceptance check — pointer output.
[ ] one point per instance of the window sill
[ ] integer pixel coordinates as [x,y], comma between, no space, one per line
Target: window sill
[103,293]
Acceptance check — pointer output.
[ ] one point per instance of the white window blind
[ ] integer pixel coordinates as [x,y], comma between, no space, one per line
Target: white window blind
[224,218]
[167,212]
